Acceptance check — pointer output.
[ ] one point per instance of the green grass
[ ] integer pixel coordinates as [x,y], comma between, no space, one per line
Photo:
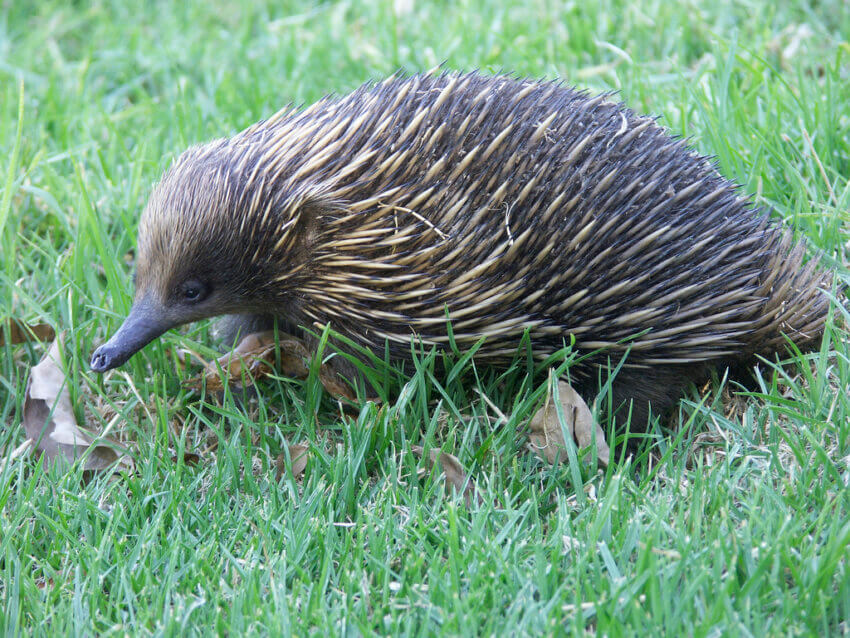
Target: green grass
[735,525]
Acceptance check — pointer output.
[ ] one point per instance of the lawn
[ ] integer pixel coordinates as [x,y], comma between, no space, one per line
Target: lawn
[730,518]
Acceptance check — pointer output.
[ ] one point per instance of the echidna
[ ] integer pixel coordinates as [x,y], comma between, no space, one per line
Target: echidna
[507,205]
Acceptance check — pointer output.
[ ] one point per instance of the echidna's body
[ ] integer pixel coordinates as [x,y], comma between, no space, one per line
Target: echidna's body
[515,205]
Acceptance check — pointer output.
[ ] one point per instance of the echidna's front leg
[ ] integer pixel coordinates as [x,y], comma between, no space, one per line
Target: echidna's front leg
[230,329]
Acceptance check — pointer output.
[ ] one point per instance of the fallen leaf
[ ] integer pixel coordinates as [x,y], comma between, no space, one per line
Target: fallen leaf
[13,331]
[453,470]
[49,421]
[299,454]
[294,358]
[43,583]
[294,362]
[254,357]
[334,385]
[189,458]
[547,437]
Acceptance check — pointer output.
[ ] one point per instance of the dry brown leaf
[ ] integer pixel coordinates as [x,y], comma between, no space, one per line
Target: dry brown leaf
[331,382]
[57,434]
[299,454]
[41,583]
[254,357]
[453,470]
[189,459]
[12,331]
[294,359]
[547,438]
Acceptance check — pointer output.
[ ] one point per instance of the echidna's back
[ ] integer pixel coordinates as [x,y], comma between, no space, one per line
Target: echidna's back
[525,205]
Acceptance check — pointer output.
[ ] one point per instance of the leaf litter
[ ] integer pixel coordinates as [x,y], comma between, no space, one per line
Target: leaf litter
[452,469]
[54,434]
[52,429]
[547,436]
[51,426]
[261,354]
[14,332]
[299,455]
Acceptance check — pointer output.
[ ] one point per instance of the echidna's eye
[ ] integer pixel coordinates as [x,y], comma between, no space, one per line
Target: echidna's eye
[194,291]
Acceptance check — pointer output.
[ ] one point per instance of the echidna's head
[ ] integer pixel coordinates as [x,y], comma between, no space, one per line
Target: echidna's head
[215,238]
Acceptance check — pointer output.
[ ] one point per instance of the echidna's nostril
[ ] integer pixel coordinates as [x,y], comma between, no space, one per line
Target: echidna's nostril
[100,360]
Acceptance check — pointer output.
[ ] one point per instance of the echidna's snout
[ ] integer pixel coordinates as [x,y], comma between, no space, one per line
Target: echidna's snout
[144,324]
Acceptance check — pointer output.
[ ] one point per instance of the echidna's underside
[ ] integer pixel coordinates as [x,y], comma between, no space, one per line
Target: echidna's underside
[511,204]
